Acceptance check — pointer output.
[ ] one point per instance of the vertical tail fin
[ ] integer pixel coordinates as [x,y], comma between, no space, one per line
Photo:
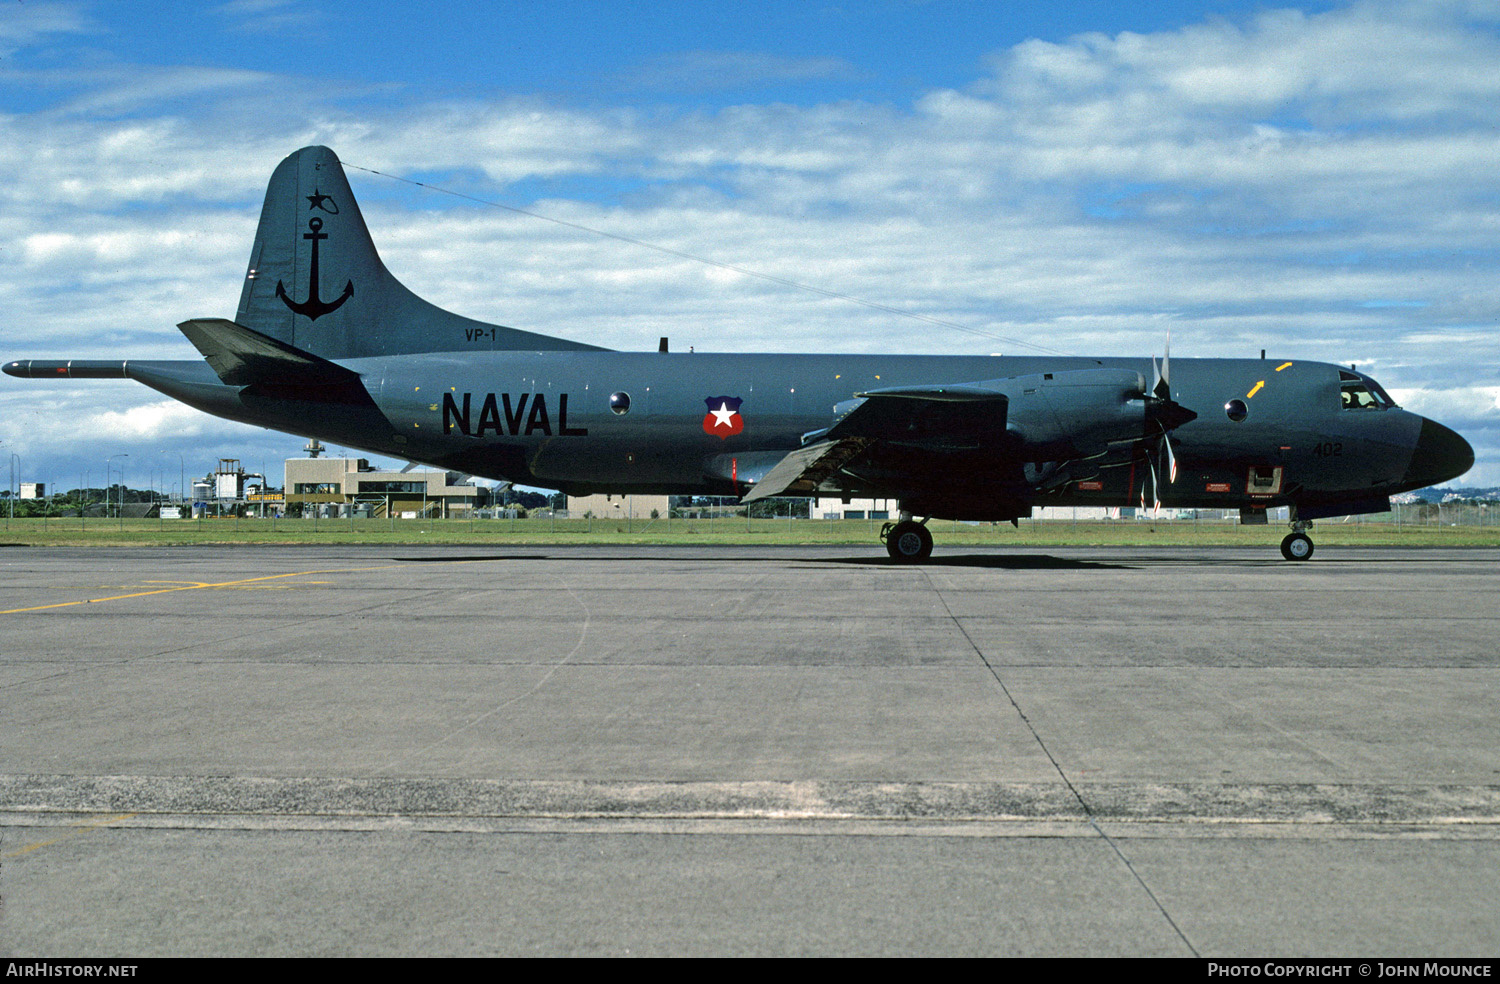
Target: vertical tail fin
[316,282]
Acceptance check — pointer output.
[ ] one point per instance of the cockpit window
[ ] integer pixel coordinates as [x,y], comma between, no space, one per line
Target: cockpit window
[1362,393]
[1380,394]
[1357,396]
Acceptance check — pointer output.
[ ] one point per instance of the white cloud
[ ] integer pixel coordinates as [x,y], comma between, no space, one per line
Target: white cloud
[150,422]
[267,16]
[28,23]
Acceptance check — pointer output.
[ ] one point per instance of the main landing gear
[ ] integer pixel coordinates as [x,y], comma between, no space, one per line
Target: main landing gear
[1298,545]
[907,541]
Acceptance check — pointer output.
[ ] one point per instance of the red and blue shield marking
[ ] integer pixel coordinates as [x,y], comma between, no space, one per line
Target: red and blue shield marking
[723,418]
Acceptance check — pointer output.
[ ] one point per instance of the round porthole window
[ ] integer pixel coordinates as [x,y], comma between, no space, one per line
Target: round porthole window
[619,403]
[1236,410]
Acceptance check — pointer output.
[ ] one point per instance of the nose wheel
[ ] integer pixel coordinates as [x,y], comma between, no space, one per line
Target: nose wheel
[1297,545]
[908,542]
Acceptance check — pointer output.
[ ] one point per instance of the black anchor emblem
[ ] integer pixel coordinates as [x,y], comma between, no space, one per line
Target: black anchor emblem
[314,307]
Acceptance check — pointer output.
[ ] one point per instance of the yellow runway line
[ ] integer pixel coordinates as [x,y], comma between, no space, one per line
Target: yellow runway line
[85,826]
[195,586]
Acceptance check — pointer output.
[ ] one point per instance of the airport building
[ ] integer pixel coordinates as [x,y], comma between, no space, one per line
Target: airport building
[836,508]
[349,486]
[618,506]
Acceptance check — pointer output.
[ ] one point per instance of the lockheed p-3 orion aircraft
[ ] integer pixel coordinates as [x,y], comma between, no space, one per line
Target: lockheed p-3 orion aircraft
[328,344]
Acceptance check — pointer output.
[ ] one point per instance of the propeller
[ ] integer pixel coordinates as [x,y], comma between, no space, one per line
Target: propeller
[1163,415]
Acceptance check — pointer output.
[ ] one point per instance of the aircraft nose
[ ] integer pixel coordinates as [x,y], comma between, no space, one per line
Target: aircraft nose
[1440,454]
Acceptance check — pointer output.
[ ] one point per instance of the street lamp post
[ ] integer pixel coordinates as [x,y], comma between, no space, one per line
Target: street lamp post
[181,472]
[12,514]
[13,459]
[122,454]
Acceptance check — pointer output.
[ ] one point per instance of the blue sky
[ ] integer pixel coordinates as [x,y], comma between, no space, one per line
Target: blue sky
[606,52]
[1318,179]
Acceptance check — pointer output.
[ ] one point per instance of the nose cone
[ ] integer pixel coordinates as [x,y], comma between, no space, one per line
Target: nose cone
[1440,454]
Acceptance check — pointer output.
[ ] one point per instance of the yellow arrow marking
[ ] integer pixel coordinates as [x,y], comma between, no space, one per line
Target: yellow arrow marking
[1253,390]
[1282,366]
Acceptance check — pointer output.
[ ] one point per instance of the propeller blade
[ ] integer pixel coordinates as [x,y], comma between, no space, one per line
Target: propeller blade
[1162,387]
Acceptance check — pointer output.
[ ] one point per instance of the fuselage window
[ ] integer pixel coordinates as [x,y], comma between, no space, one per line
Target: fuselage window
[619,403]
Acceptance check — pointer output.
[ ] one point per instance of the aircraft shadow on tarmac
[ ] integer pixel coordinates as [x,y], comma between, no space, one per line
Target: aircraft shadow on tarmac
[468,559]
[1014,562]
[1006,561]
[1027,562]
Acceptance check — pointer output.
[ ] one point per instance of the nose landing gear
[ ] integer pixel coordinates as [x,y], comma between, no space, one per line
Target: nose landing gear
[1297,545]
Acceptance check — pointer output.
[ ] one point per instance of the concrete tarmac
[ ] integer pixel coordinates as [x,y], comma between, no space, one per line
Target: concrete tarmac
[610,750]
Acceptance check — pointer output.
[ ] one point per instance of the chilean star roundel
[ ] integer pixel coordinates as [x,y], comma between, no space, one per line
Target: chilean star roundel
[723,418]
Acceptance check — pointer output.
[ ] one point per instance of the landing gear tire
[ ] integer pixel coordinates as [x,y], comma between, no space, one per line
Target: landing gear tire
[1297,546]
[907,542]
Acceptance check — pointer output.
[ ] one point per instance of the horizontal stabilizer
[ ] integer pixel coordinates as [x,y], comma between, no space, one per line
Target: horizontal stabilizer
[243,357]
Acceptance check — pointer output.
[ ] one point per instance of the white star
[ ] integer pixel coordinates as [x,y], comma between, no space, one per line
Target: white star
[722,416]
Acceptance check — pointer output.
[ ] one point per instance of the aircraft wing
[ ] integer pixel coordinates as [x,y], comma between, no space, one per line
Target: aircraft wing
[935,417]
[963,440]
[802,471]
